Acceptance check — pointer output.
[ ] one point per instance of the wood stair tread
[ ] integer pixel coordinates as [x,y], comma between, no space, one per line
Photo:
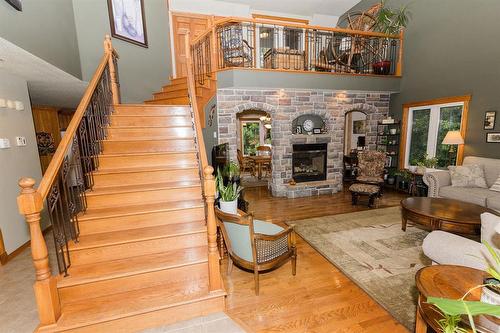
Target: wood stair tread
[141,139]
[101,213]
[88,273]
[149,126]
[136,235]
[143,169]
[104,190]
[136,302]
[150,153]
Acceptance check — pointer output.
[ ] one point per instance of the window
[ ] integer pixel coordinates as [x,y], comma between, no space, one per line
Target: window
[426,126]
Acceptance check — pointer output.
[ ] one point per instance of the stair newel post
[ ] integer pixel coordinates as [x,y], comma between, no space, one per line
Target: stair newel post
[30,204]
[111,53]
[213,253]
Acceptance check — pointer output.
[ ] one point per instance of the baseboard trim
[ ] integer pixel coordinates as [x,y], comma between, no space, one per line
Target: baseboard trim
[5,258]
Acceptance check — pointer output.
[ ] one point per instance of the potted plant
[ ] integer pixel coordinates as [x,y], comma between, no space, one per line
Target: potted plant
[406,177]
[232,171]
[489,305]
[426,163]
[391,177]
[388,21]
[228,194]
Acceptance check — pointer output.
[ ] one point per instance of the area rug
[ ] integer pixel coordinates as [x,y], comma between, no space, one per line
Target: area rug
[372,250]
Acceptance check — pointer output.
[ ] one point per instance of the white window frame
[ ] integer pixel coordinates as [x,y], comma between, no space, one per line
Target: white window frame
[435,113]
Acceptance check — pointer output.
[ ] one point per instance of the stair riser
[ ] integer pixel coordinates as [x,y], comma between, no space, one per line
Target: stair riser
[134,282]
[158,160]
[152,111]
[150,121]
[175,87]
[122,251]
[143,197]
[118,147]
[141,221]
[155,133]
[171,94]
[156,318]
[170,101]
[145,177]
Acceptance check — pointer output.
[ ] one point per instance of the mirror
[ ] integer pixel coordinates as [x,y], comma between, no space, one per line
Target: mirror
[354,131]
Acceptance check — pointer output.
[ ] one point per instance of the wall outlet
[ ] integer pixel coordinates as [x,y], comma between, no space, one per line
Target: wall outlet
[20,140]
[215,135]
[4,143]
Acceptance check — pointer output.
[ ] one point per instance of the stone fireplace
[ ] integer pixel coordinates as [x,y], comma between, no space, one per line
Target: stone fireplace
[309,162]
[285,105]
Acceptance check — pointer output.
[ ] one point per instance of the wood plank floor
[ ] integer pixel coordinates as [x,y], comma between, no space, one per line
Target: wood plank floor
[319,298]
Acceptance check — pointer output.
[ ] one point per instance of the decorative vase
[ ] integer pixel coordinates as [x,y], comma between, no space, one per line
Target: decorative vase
[382,67]
[230,207]
[392,131]
[391,180]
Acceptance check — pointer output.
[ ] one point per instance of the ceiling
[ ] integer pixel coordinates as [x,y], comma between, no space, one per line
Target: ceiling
[48,85]
[300,7]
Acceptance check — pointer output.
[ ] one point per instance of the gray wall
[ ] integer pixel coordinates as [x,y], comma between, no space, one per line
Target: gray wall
[15,162]
[142,70]
[44,28]
[451,48]
[208,131]
[240,78]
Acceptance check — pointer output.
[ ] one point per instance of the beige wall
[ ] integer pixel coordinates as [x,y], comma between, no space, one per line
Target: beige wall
[15,162]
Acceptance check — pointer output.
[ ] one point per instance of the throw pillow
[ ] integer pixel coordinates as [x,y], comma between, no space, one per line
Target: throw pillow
[488,233]
[467,176]
[496,186]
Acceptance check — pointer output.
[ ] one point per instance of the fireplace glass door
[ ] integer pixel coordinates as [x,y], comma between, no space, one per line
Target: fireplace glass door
[309,162]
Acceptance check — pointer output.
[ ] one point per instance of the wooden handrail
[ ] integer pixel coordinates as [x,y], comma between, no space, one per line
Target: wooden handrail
[31,200]
[206,172]
[234,19]
[58,158]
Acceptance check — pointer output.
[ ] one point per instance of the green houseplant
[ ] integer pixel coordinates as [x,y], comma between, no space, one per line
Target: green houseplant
[453,310]
[405,178]
[228,194]
[388,21]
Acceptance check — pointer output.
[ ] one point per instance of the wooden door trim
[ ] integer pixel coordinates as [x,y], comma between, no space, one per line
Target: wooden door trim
[3,253]
[443,100]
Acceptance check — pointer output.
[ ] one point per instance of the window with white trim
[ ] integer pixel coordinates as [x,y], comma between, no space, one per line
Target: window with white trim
[427,127]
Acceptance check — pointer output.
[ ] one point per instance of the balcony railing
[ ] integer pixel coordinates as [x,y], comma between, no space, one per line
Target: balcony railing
[269,45]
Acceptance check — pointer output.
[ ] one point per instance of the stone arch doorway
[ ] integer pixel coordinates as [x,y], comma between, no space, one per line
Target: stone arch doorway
[253,130]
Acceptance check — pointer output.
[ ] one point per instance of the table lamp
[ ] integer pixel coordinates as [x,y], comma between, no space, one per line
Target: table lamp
[452,138]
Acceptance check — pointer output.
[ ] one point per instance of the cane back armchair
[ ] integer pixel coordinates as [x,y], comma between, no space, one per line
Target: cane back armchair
[256,245]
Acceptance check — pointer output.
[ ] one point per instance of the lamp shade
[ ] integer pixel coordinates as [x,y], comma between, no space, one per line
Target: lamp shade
[453,138]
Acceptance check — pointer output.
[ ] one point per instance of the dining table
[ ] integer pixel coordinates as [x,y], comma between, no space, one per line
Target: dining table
[260,160]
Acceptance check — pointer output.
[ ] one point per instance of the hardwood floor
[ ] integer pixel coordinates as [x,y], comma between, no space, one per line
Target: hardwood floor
[319,298]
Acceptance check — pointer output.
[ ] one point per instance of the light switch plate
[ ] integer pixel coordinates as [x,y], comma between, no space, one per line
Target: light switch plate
[19,105]
[4,143]
[10,104]
[215,135]
[3,103]
[20,140]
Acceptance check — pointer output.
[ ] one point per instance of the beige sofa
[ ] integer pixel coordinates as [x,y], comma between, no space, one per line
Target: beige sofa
[439,183]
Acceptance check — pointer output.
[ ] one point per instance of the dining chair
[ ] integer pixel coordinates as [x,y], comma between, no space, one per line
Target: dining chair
[256,245]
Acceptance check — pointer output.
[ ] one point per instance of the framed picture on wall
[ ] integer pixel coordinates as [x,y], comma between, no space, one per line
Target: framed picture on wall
[298,129]
[16,4]
[493,137]
[127,21]
[489,120]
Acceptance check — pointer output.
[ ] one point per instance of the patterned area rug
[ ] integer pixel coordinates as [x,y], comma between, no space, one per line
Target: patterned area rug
[373,251]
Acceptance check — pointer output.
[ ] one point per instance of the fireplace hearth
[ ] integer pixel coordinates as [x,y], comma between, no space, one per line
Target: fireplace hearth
[309,162]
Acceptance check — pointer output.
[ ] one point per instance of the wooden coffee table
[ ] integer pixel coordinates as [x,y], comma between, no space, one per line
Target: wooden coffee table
[443,214]
[448,281]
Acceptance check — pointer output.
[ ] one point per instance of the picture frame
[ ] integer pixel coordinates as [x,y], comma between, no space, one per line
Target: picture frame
[489,120]
[493,137]
[16,4]
[128,22]
[298,129]
[316,130]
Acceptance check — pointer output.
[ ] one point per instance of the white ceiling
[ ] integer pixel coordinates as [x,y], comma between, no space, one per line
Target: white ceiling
[300,7]
[48,85]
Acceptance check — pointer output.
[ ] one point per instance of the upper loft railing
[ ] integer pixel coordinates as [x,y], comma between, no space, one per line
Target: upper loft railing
[271,45]
[67,178]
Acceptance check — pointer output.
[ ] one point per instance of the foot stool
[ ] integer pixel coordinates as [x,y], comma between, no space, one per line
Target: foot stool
[370,190]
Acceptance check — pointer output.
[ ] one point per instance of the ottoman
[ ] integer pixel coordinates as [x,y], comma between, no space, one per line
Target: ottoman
[370,190]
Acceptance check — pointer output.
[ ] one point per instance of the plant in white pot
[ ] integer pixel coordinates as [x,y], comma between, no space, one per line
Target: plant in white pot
[228,195]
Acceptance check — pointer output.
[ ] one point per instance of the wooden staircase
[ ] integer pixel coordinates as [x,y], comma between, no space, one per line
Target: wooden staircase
[142,258]
[176,93]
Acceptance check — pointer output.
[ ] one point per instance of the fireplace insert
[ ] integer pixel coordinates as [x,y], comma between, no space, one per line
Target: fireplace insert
[309,162]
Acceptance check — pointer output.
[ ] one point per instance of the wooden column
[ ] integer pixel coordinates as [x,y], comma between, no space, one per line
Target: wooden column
[215,282]
[30,205]
[399,65]
[213,45]
[115,85]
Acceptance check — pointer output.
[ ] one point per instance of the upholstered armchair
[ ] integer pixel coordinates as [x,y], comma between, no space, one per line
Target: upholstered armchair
[371,166]
[256,245]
